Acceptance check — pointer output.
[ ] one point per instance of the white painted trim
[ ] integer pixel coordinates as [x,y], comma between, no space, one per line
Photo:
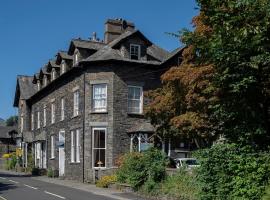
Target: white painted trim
[93,129]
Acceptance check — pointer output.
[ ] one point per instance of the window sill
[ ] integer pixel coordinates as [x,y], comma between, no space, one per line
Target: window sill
[74,163]
[98,112]
[99,168]
[52,158]
[136,114]
[74,116]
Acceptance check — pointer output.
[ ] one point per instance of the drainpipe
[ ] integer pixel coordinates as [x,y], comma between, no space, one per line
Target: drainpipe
[83,120]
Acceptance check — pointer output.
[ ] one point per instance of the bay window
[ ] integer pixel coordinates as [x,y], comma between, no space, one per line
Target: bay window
[99,98]
[135,100]
[99,147]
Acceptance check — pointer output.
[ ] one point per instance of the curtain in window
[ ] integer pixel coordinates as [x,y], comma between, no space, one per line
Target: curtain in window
[100,97]
[72,147]
[78,145]
[134,99]
[99,148]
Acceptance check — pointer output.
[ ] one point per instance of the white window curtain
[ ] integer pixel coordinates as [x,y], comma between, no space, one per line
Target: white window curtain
[53,113]
[135,98]
[52,146]
[44,116]
[38,116]
[76,103]
[62,109]
[72,147]
[100,97]
[78,146]
[32,121]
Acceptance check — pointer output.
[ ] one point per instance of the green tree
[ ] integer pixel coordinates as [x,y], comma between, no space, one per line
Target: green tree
[12,121]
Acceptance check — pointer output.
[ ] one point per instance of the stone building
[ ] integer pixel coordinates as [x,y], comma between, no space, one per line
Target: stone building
[84,109]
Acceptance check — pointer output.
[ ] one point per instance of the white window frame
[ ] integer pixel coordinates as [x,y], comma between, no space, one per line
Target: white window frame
[32,121]
[93,146]
[76,100]
[38,85]
[72,153]
[52,113]
[139,51]
[38,119]
[75,146]
[53,74]
[99,109]
[44,116]
[22,123]
[62,108]
[52,146]
[63,67]
[78,146]
[141,99]
[76,58]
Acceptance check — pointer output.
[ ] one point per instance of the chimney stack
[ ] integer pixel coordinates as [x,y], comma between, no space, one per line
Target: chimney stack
[115,27]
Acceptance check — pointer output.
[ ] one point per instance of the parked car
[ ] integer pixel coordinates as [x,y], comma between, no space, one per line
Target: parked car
[186,162]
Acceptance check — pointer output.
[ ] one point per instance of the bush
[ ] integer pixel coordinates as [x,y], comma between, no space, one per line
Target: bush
[181,186]
[230,172]
[266,196]
[137,169]
[105,181]
[50,173]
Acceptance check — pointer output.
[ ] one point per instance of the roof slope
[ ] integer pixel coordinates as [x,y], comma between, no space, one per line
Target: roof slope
[5,130]
[27,88]
[84,44]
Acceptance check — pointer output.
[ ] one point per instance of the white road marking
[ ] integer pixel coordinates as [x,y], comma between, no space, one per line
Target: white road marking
[13,181]
[2,198]
[56,195]
[3,178]
[30,186]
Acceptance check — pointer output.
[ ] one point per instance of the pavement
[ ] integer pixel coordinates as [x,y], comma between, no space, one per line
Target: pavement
[19,186]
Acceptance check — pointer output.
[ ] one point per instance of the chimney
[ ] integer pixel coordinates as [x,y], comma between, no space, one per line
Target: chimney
[115,27]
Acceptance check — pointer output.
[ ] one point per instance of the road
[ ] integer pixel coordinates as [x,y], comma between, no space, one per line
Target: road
[18,187]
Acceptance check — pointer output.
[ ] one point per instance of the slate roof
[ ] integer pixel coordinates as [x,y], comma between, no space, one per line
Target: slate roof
[141,126]
[173,53]
[5,130]
[26,86]
[109,52]
[84,44]
[62,55]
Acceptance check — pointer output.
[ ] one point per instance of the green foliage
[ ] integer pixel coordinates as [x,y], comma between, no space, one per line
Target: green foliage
[50,173]
[140,168]
[181,186]
[266,196]
[12,121]
[105,181]
[228,171]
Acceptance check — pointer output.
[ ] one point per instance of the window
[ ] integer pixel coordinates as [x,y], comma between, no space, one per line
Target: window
[45,81]
[99,147]
[135,99]
[62,108]
[135,51]
[44,116]
[76,58]
[76,103]
[52,146]
[32,121]
[38,85]
[63,67]
[99,97]
[38,148]
[22,124]
[53,74]
[38,119]
[52,113]
[75,146]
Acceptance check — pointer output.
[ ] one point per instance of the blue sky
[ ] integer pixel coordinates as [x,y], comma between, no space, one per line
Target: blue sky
[32,31]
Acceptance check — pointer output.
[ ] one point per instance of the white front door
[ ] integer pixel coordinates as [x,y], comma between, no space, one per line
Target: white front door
[61,147]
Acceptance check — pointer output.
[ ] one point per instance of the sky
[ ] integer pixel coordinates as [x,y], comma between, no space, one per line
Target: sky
[33,31]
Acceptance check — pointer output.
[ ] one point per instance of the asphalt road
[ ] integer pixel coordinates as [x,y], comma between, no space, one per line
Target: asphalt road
[17,187]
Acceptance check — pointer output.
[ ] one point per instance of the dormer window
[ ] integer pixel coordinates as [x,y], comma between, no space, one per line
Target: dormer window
[63,67]
[53,74]
[76,58]
[135,52]
[45,81]
[38,85]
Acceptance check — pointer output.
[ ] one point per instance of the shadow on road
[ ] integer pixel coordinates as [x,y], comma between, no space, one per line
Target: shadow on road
[6,186]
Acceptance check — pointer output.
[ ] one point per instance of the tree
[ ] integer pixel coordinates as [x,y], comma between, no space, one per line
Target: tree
[222,86]
[12,121]
[183,106]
